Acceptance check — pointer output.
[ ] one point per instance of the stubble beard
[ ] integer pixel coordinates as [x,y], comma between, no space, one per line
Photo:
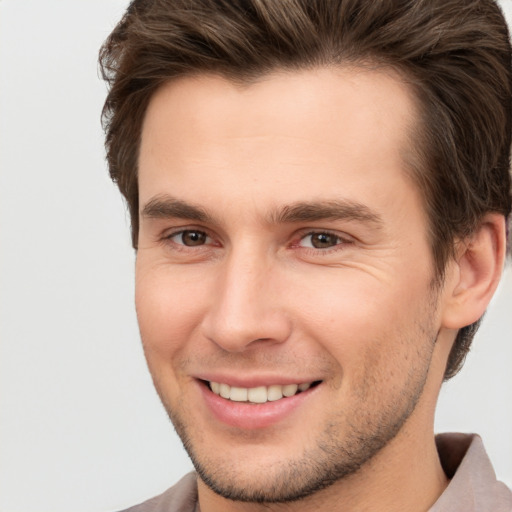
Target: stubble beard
[342,449]
[288,481]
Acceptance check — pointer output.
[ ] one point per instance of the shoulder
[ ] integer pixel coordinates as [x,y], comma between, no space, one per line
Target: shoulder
[181,497]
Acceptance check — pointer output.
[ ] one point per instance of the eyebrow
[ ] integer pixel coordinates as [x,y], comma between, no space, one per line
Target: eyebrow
[326,210]
[164,207]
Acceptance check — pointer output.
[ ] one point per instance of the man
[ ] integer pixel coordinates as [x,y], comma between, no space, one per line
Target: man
[319,194]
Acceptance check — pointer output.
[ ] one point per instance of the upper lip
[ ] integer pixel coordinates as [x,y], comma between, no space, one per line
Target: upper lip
[253,381]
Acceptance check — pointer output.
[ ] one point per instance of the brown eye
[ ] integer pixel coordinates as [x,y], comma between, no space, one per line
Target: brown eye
[191,238]
[320,240]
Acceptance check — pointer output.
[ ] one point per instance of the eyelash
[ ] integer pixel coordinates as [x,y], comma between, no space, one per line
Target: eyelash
[340,244]
[181,246]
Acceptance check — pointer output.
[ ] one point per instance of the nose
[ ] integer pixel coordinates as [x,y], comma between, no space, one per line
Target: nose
[245,308]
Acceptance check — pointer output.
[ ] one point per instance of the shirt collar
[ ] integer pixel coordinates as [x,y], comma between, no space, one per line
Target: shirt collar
[473,486]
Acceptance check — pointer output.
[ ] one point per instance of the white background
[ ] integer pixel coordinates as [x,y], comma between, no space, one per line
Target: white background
[81,428]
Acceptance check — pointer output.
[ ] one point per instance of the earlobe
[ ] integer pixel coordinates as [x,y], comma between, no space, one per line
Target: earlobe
[475,273]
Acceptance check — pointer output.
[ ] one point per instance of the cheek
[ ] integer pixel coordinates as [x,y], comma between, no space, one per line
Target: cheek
[369,327]
[350,306]
[168,310]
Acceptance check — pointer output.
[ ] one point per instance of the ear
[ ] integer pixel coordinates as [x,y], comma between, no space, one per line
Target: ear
[472,278]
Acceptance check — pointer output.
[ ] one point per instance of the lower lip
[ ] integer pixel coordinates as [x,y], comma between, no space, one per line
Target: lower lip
[248,416]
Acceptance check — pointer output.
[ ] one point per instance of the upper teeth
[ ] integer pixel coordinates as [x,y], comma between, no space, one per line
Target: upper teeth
[258,395]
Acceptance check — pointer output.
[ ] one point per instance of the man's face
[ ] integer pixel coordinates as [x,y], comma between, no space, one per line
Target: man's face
[283,247]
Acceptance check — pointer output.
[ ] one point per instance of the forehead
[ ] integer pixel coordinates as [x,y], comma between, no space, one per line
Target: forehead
[283,132]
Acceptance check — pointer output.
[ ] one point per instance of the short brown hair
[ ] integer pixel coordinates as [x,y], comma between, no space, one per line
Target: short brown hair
[455,54]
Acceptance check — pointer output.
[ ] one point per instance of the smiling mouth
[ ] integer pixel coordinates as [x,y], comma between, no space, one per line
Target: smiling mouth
[260,394]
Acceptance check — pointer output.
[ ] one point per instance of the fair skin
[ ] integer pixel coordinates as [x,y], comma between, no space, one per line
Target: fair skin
[282,243]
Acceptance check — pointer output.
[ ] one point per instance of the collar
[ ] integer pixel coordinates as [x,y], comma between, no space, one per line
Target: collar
[473,486]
